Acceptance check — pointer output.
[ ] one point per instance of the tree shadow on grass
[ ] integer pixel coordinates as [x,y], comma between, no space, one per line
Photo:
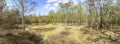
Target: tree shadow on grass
[20,38]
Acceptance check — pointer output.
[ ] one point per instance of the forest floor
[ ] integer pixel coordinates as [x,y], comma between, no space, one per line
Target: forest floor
[61,34]
[53,33]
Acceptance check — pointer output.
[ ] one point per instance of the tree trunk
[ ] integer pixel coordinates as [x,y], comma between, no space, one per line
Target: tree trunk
[23,12]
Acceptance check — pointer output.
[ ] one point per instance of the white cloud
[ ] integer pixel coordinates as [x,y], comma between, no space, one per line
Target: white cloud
[56,4]
[50,7]
[62,1]
[47,5]
[49,1]
[82,0]
[58,1]
[65,1]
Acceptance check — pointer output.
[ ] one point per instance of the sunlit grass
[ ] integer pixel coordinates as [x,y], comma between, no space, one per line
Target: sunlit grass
[59,33]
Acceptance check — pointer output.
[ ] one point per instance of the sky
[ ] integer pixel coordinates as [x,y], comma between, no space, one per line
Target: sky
[44,6]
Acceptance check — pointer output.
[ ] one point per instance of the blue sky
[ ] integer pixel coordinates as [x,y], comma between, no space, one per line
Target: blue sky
[44,6]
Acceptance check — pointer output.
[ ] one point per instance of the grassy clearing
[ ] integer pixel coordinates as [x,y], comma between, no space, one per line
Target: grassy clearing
[46,29]
[61,34]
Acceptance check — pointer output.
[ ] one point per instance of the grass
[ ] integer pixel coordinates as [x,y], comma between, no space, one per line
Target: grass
[47,29]
[20,37]
[61,34]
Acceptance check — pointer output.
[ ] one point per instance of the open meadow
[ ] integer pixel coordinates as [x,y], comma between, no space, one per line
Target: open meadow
[59,21]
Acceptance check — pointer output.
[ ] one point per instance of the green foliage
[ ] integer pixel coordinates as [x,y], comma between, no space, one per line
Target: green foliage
[69,14]
[10,19]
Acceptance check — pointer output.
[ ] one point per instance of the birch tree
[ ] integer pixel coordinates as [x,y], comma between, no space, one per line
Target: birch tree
[2,6]
[25,7]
